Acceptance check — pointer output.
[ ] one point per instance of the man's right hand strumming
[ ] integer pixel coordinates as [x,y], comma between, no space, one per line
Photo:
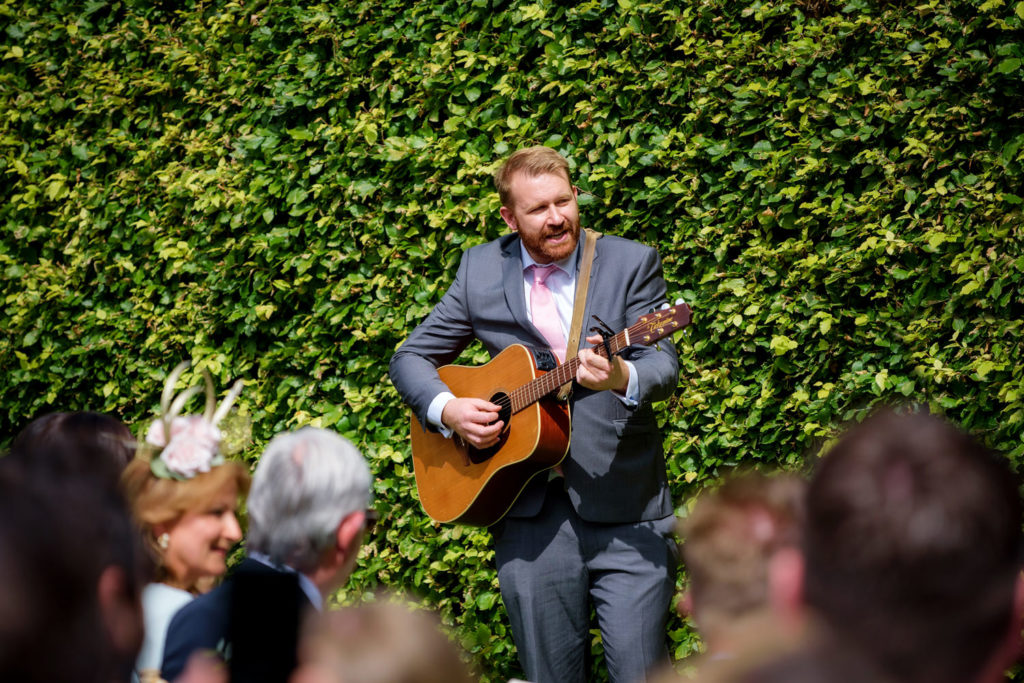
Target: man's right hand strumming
[473,419]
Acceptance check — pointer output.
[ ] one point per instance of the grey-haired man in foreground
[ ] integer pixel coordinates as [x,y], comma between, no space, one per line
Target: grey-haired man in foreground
[308,512]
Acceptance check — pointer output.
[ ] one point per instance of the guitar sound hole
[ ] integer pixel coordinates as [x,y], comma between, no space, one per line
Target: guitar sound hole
[504,415]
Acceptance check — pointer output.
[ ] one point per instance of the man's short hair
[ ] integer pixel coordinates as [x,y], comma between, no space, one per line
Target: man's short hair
[729,539]
[382,641]
[911,546]
[306,483]
[533,161]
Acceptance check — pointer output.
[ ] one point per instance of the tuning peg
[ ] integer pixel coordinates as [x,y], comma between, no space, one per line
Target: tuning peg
[679,302]
[664,306]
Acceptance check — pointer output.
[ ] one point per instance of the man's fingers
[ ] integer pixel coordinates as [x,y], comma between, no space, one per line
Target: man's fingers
[482,437]
[591,360]
[481,404]
[475,420]
[484,417]
[486,430]
[592,367]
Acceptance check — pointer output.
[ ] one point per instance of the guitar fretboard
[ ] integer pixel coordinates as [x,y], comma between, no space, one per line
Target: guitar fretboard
[649,329]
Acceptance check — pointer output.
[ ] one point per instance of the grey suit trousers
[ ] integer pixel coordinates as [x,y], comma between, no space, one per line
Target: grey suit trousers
[550,568]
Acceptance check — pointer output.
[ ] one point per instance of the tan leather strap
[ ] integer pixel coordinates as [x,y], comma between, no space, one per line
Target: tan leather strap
[580,302]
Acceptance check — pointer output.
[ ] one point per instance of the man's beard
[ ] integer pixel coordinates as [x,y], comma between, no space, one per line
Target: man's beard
[552,252]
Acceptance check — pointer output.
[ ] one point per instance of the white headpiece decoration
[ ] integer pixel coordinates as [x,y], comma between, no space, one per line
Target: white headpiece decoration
[189,444]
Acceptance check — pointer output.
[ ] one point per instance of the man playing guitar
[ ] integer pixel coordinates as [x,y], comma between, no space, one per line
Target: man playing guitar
[596,530]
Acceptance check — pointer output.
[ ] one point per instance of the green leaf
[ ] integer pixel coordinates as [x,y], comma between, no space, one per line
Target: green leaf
[1008,66]
[781,345]
[881,379]
[983,368]
[486,601]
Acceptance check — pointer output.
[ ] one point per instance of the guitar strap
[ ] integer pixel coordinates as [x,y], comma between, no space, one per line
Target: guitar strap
[580,302]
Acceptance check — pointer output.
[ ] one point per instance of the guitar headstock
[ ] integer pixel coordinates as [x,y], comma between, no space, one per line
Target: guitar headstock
[660,324]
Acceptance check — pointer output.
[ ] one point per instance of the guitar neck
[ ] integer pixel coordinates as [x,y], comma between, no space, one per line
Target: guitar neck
[646,331]
[531,392]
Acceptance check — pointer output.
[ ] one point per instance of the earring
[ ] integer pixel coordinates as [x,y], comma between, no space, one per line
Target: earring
[163,540]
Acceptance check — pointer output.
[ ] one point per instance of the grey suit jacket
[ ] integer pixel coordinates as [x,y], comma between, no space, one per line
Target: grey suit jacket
[615,470]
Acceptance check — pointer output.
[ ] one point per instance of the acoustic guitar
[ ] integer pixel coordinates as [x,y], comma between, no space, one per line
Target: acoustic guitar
[462,484]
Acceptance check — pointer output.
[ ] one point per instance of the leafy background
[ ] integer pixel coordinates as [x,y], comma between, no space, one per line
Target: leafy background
[280,191]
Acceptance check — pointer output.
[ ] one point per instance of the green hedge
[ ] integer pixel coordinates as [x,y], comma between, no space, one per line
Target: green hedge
[280,191]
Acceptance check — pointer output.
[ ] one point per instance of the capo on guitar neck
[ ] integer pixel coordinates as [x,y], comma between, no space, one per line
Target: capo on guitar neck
[606,333]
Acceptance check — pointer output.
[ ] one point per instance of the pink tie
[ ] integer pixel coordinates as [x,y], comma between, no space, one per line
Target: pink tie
[544,311]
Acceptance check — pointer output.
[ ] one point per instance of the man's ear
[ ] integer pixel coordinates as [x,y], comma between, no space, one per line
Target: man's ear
[1014,643]
[684,605]
[786,583]
[509,218]
[1010,648]
[120,610]
[350,533]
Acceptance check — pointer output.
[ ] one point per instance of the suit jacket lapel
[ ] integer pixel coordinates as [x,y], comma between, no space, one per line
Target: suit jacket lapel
[512,284]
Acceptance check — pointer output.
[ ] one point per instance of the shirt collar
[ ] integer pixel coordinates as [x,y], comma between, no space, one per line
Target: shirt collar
[305,583]
[566,265]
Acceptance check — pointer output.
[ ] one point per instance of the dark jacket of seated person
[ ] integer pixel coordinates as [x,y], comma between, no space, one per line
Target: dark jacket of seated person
[252,620]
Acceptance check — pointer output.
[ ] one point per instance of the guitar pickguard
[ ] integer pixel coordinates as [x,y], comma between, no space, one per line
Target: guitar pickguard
[479,455]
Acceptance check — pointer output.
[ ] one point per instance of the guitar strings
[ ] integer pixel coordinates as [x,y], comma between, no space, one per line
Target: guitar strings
[545,384]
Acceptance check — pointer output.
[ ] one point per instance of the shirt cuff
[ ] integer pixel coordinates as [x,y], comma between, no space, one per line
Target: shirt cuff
[632,396]
[436,407]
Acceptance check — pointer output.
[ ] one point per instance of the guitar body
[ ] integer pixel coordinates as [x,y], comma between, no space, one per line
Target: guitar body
[458,483]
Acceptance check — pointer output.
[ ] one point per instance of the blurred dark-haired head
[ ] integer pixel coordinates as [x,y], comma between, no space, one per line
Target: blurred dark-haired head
[71,572]
[912,546]
[730,539]
[76,444]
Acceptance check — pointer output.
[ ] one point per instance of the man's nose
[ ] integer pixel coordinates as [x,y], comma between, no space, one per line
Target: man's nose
[554,217]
